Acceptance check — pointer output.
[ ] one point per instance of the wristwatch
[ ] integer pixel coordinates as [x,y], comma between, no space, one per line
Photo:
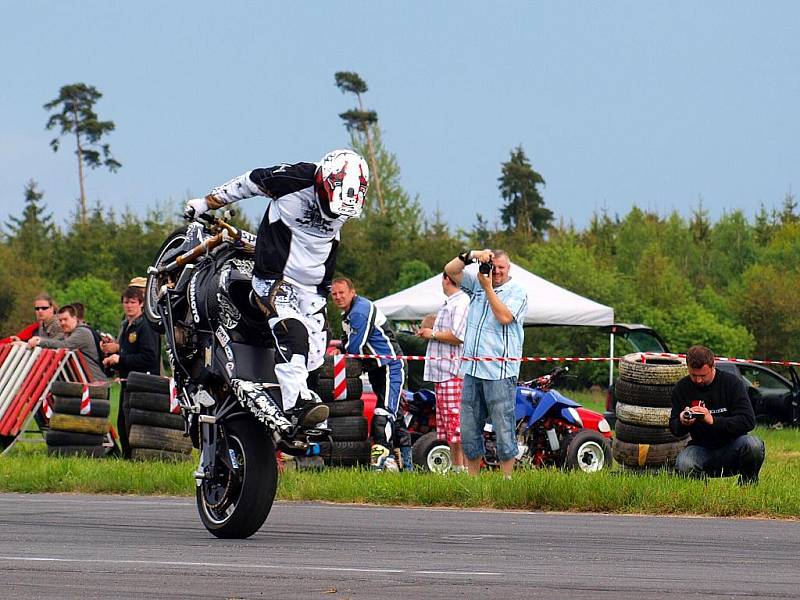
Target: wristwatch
[433,335]
[466,257]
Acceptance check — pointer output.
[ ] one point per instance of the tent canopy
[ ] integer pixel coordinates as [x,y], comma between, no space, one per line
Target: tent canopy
[548,304]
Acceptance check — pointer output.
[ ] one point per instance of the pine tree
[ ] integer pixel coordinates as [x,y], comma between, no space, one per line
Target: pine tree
[524,211]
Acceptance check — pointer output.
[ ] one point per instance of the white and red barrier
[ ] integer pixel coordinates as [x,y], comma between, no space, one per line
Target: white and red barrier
[339,377]
[25,379]
[575,359]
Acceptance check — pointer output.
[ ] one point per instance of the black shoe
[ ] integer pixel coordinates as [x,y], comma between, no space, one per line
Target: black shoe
[307,412]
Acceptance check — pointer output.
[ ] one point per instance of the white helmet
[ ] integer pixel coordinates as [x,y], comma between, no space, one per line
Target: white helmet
[341,181]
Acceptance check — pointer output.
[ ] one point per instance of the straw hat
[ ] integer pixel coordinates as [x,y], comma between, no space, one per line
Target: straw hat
[138,282]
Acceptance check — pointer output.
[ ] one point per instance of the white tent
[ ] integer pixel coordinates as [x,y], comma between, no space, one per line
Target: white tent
[548,304]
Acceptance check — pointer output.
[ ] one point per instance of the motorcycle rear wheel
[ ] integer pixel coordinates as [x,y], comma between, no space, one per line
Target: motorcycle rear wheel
[234,503]
[432,454]
[172,243]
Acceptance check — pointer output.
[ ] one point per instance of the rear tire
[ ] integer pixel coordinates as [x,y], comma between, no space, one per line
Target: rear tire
[234,503]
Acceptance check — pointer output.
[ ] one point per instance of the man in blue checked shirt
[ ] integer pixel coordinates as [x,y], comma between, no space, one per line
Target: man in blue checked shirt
[494,329]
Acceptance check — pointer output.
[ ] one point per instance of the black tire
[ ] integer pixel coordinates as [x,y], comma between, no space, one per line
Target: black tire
[345,408]
[235,503]
[355,388]
[348,429]
[85,451]
[640,394]
[432,454]
[174,241]
[345,454]
[55,437]
[655,371]
[158,438]
[148,401]
[639,456]
[97,391]
[144,382]
[161,455]
[79,424]
[586,450]
[646,416]
[352,368]
[137,416]
[635,434]
[67,405]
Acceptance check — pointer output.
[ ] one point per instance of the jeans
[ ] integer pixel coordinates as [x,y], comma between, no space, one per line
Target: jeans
[743,456]
[482,401]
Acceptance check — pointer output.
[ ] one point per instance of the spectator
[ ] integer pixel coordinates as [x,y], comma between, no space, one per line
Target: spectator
[367,331]
[446,338]
[77,337]
[46,325]
[494,328]
[713,407]
[137,349]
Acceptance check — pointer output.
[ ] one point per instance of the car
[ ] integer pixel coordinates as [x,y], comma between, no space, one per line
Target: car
[775,398]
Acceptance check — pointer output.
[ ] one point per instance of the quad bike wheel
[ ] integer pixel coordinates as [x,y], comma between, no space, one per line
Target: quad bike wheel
[587,451]
[432,454]
[235,500]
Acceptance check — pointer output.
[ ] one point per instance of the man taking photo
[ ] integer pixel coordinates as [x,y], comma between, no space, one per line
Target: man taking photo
[494,329]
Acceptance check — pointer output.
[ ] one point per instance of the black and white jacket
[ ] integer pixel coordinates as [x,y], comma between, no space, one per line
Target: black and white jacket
[295,240]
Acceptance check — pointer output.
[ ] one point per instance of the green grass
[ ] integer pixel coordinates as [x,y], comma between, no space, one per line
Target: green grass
[29,469]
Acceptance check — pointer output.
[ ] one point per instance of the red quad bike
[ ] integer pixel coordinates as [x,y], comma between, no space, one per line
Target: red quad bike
[552,430]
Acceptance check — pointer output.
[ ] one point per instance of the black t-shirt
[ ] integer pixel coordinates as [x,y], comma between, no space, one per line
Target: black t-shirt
[726,398]
[139,348]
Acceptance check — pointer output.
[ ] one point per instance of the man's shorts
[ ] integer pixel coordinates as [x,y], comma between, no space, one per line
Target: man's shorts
[448,410]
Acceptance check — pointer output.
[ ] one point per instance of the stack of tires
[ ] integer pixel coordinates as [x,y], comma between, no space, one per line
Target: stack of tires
[154,433]
[70,432]
[349,429]
[642,438]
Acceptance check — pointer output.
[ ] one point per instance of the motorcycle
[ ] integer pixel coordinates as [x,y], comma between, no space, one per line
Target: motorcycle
[199,295]
[552,430]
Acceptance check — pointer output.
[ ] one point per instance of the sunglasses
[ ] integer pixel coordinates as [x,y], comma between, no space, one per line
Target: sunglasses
[38,308]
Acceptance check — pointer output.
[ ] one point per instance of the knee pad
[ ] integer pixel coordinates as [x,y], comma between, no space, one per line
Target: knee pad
[382,429]
[292,338]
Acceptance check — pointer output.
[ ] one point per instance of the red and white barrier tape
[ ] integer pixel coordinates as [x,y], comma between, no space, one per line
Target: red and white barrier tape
[339,378]
[575,359]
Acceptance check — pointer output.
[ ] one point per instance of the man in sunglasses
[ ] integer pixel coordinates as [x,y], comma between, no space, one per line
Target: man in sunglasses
[46,325]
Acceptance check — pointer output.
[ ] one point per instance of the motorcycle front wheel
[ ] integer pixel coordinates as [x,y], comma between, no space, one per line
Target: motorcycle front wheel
[587,451]
[173,242]
[235,501]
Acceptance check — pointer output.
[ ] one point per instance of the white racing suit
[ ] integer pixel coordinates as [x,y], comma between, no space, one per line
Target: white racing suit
[295,260]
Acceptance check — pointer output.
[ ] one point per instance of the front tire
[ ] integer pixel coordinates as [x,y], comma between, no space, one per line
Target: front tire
[587,451]
[432,454]
[175,240]
[235,502]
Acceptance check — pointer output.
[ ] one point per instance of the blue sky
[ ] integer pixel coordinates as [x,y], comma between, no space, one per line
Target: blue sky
[616,103]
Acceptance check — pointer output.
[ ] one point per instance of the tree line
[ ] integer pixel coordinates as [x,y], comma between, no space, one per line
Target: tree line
[729,283]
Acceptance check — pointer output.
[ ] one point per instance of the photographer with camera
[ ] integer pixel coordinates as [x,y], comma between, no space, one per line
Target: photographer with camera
[494,329]
[713,407]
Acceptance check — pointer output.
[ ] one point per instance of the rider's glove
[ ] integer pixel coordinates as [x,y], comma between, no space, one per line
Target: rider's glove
[194,207]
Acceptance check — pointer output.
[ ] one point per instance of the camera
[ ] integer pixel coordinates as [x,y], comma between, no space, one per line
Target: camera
[486,268]
[688,415]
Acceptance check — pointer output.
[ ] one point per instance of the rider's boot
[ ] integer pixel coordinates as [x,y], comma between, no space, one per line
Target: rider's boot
[308,411]
[382,455]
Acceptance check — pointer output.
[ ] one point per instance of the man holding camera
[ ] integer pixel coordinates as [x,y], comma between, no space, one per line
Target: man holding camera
[713,407]
[494,329]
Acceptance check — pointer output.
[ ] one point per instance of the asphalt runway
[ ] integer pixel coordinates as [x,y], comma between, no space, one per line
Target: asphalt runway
[70,546]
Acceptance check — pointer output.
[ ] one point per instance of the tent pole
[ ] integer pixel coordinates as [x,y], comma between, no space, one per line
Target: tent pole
[611,359]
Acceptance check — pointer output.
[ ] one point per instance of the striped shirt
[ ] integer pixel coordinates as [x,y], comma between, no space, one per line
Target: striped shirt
[486,336]
[451,317]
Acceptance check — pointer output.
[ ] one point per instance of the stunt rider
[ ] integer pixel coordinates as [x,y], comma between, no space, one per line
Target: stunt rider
[295,259]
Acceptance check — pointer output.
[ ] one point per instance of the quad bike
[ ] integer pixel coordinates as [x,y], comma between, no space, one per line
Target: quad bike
[199,294]
[552,430]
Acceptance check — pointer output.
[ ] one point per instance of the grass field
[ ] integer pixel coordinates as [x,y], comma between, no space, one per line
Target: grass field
[29,469]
